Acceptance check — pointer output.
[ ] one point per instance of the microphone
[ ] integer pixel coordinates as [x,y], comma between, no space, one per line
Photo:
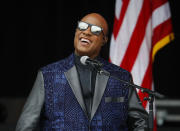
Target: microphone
[85,60]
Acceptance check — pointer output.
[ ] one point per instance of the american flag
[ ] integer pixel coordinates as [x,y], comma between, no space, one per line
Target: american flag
[141,29]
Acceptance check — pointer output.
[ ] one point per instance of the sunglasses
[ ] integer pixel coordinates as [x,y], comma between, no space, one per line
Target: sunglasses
[96,30]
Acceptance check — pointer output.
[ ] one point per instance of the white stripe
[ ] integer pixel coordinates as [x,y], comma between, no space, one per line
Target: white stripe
[112,48]
[161,14]
[118,8]
[142,61]
[139,68]
[121,43]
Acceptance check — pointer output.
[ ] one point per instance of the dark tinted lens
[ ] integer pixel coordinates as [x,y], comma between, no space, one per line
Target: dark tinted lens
[96,29]
[82,25]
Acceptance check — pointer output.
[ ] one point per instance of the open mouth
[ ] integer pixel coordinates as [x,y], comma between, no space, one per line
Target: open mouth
[85,41]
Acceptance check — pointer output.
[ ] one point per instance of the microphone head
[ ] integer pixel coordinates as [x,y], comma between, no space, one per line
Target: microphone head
[83,59]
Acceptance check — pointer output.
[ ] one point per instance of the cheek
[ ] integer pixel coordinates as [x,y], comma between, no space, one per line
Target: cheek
[98,43]
[97,47]
[76,38]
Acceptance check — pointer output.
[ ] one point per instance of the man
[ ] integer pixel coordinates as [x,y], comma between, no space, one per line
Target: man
[68,95]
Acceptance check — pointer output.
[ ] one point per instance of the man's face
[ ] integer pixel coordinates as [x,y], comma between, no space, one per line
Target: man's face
[87,43]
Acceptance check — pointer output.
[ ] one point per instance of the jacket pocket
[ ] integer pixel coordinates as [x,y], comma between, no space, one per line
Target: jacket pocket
[114,99]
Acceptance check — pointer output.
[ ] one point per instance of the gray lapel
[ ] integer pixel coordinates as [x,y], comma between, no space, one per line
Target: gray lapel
[101,82]
[73,79]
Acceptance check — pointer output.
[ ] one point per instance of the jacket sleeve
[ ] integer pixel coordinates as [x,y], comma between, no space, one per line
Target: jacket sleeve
[137,115]
[30,115]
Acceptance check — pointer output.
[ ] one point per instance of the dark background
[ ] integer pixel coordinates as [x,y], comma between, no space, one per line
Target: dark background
[38,32]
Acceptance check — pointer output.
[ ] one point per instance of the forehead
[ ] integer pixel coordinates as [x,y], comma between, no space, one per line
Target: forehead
[92,19]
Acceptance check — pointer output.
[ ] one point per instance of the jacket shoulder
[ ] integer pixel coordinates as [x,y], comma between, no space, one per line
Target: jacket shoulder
[59,66]
[117,71]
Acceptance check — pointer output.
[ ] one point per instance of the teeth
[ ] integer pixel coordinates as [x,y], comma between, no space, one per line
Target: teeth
[85,40]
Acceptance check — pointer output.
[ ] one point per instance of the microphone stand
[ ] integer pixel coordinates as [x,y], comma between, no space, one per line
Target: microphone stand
[150,99]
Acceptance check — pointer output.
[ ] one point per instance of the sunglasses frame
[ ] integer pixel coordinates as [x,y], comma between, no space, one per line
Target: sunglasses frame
[90,25]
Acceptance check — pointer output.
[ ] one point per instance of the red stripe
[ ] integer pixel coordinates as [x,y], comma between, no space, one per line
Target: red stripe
[110,60]
[155,124]
[117,23]
[157,3]
[147,83]
[161,31]
[137,37]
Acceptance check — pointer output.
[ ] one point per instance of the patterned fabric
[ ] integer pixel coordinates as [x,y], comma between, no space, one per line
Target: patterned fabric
[62,110]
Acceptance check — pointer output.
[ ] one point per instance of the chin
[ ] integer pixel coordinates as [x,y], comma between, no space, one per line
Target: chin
[82,53]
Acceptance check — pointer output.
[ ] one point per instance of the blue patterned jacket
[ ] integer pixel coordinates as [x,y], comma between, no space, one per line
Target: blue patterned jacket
[64,106]
[56,101]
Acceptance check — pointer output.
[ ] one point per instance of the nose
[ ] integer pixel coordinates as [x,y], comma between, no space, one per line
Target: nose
[87,32]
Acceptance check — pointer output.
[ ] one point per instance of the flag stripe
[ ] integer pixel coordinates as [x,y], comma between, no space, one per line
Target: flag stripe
[144,27]
[118,22]
[160,15]
[159,40]
[160,28]
[142,60]
[147,83]
[158,3]
[137,37]
[125,32]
